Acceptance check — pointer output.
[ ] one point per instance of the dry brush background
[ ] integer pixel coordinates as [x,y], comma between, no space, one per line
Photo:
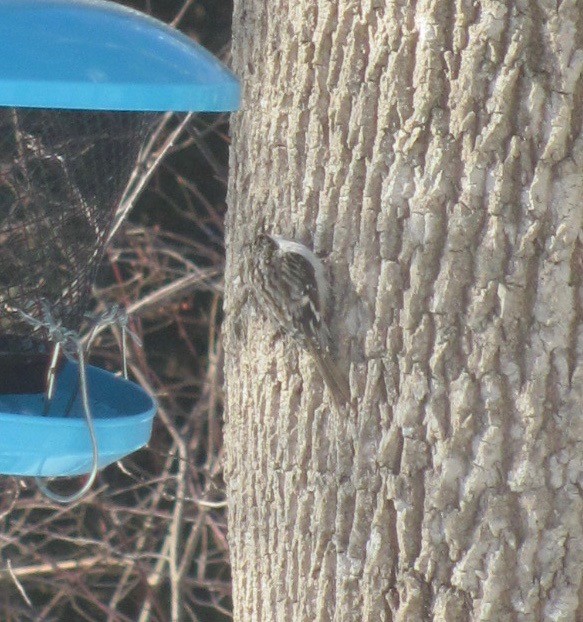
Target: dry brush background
[149,542]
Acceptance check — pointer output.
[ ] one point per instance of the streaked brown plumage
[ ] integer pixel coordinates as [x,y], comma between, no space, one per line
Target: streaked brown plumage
[290,285]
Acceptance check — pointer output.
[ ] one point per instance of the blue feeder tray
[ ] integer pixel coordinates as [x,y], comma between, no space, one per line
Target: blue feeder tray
[97,55]
[58,444]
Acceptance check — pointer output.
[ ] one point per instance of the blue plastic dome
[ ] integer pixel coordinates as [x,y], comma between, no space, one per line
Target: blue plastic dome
[98,55]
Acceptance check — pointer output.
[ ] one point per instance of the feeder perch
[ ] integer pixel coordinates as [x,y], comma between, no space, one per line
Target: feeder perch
[81,85]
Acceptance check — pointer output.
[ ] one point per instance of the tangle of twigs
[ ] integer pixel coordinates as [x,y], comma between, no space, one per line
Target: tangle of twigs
[148,543]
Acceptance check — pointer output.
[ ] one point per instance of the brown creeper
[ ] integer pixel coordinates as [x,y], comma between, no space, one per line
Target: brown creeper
[289,283]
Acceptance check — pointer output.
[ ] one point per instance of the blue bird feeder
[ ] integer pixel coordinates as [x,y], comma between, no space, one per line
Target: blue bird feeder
[80,84]
[97,55]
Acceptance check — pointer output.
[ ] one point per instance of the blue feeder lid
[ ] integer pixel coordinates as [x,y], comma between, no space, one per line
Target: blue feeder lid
[98,55]
[58,444]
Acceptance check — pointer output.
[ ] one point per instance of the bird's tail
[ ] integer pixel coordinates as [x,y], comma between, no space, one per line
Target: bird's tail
[335,380]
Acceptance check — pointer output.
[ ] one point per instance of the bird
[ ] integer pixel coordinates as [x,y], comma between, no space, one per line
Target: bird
[290,286]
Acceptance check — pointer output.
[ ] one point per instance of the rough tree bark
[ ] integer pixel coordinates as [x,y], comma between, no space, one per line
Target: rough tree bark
[433,152]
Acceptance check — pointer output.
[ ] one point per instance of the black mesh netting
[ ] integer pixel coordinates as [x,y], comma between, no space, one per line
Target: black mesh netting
[62,175]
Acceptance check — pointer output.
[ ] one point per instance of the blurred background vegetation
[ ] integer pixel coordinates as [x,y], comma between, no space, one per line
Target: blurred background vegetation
[149,542]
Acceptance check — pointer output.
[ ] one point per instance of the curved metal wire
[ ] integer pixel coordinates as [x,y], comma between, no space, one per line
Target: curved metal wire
[71,344]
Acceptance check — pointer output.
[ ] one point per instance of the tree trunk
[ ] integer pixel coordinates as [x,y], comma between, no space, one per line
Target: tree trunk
[432,152]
